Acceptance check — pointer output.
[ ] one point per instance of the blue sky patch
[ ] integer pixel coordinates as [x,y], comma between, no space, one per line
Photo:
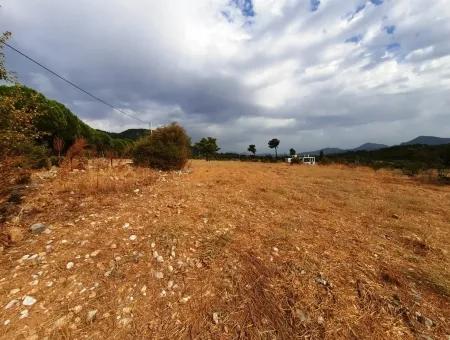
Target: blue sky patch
[377,2]
[246,7]
[390,29]
[393,47]
[355,39]
[314,5]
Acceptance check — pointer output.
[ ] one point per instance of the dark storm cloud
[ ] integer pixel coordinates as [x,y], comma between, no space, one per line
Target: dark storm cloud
[268,69]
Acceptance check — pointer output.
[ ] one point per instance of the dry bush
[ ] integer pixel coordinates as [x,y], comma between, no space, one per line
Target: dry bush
[106,180]
[76,150]
[167,148]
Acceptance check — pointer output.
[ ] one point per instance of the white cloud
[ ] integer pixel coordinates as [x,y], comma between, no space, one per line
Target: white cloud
[287,72]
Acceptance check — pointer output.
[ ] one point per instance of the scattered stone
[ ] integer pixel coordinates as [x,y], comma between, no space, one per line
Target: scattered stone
[77,309]
[125,322]
[144,290]
[29,301]
[126,226]
[38,228]
[11,304]
[185,299]
[153,245]
[320,320]
[170,284]
[23,314]
[126,310]
[95,253]
[163,293]
[15,234]
[159,275]
[14,291]
[91,315]
[215,317]
[160,259]
[70,265]
[61,322]
[7,322]
[133,238]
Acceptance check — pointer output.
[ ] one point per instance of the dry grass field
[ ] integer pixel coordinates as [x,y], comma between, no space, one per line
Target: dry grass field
[228,250]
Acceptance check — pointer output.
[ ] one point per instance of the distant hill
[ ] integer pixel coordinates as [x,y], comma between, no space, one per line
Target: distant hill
[336,151]
[428,140]
[370,147]
[132,134]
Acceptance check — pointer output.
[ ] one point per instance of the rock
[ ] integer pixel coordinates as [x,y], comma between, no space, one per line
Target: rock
[125,322]
[159,275]
[14,291]
[215,317]
[170,284]
[7,322]
[11,304]
[15,234]
[126,226]
[61,322]
[126,310]
[185,299]
[91,315]
[395,216]
[163,293]
[28,301]
[133,238]
[70,265]
[23,314]
[160,259]
[95,253]
[320,320]
[77,309]
[38,228]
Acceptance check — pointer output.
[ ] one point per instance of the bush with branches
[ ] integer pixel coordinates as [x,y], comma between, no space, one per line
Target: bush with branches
[166,148]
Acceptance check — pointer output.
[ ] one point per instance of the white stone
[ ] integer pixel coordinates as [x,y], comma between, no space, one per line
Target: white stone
[185,299]
[153,245]
[14,291]
[23,314]
[6,323]
[133,238]
[29,301]
[170,284]
[126,226]
[160,259]
[163,293]
[91,315]
[11,304]
[70,265]
[159,275]
[95,253]
[77,309]
[215,318]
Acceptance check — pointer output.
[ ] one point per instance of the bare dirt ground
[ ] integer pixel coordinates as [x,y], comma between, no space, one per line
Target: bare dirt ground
[229,250]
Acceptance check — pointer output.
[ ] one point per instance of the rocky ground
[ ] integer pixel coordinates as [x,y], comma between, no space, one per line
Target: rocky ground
[227,250]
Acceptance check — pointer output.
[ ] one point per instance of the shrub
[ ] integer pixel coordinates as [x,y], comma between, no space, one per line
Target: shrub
[166,148]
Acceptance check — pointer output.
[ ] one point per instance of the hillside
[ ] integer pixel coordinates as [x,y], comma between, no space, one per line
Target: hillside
[428,140]
[131,134]
[325,252]
[58,120]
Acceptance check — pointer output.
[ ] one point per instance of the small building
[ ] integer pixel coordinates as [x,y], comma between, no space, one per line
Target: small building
[310,160]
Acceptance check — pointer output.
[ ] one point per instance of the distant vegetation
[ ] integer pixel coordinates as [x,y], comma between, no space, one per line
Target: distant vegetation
[27,112]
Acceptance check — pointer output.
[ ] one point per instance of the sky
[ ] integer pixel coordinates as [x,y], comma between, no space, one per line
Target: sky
[312,73]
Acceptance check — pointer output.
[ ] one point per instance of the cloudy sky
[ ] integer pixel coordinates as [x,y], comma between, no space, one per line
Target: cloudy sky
[311,73]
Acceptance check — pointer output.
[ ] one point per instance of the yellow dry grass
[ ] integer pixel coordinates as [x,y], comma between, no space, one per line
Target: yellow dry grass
[257,251]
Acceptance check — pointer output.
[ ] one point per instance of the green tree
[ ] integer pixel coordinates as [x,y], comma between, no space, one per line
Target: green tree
[273,144]
[252,149]
[292,152]
[206,147]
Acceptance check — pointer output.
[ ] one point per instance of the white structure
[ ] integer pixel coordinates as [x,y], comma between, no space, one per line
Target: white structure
[310,160]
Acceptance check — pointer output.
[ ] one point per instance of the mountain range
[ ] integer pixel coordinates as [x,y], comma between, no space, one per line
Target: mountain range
[421,140]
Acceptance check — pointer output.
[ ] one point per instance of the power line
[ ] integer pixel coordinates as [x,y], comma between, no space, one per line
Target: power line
[74,85]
